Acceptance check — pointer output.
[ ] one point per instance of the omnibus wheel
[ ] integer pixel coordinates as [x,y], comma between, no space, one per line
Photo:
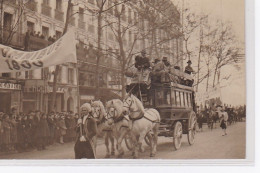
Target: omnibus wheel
[177,135]
[192,123]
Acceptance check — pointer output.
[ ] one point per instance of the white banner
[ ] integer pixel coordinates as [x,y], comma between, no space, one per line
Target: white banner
[61,51]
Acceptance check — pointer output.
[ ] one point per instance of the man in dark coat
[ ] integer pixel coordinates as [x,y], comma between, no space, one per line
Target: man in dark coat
[188,68]
[51,124]
[142,62]
[87,129]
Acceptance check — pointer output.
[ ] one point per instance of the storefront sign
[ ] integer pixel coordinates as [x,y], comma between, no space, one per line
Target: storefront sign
[43,89]
[87,97]
[10,86]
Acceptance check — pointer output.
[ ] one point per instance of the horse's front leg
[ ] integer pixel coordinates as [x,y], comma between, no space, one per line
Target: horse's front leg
[138,144]
[111,137]
[122,135]
[107,145]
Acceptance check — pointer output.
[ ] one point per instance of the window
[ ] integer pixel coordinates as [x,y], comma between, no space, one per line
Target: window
[123,15]
[184,99]
[6,75]
[81,14]
[91,2]
[110,5]
[45,2]
[191,104]
[135,17]
[163,97]
[71,75]
[58,34]
[59,75]
[91,28]
[178,99]
[59,5]
[8,21]
[129,15]
[188,100]
[130,37]
[30,26]
[45,32]
[173,96]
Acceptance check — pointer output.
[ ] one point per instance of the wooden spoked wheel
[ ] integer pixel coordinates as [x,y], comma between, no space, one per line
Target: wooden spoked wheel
[192,123]
[177,135]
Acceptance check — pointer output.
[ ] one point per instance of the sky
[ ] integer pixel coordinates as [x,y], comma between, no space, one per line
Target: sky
[234,90]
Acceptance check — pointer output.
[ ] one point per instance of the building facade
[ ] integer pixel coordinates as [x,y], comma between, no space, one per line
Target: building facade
[45,21]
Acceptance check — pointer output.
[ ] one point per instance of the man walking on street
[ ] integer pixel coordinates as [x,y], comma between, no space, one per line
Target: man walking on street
[223,121]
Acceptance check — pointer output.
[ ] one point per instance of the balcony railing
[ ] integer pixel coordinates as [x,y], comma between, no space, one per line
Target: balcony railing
[82,25]
[59,15]
[32,5]
[46,10]
[104,61]
[37,43]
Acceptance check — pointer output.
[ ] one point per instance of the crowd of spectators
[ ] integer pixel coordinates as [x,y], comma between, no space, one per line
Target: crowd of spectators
[35,130]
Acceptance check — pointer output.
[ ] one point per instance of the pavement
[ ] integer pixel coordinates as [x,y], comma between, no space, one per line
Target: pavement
[208,145]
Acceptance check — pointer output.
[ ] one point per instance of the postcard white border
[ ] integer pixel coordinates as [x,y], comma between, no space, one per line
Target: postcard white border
[250,124]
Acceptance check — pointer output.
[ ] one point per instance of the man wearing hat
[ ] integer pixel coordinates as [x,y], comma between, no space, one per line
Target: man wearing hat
[188,68]
[144,61]
[158,69]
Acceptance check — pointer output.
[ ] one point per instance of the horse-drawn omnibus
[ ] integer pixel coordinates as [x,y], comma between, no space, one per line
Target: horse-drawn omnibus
[173,97]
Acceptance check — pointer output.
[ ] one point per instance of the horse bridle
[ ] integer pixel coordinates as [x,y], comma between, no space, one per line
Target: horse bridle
[109,116]
[128,105]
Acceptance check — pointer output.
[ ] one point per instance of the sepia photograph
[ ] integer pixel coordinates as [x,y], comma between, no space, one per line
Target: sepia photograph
[122,79]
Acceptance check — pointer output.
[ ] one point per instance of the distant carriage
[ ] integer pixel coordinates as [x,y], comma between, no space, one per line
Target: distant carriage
[174,98]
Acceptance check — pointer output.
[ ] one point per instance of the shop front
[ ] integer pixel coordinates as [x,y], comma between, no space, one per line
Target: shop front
[38,96]
[10,96]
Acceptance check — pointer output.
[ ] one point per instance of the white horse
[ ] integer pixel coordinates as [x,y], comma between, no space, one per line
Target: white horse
[99,112]
[143,121]
[119,122]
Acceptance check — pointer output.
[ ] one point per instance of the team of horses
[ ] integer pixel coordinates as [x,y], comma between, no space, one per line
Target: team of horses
[125,119]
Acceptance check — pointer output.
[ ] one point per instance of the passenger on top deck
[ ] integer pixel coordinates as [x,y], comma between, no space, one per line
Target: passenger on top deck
[158,70]
[166,64]
[142,62]
[188,68]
